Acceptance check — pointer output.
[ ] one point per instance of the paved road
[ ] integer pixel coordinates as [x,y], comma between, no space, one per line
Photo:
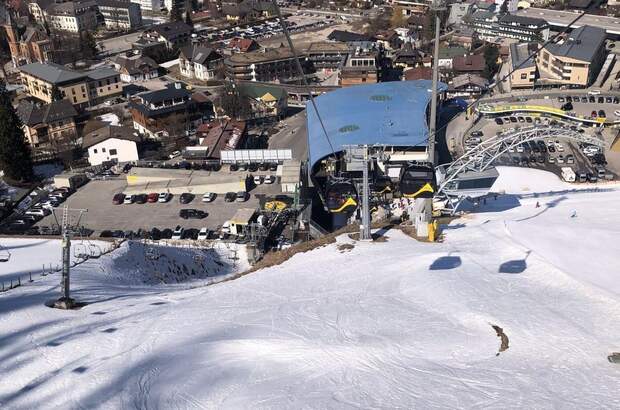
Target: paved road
[116,45]
[293,134]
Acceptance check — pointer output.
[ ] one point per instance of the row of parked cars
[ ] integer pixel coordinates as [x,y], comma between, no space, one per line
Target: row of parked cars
[40,210]
[176,233]
[591,99]
[185,198]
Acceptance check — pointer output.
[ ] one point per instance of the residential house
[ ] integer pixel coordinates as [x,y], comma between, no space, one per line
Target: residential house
[468,64]
[242,45]
[48,125]
[135,68]
[119,14]
[407,57]
[30,46]
[217,136]
[464,37]
[467,85]
[521,66]
[174,35]
[411,7]
[247,10]
[111,143]
[447,55]
[574,61]
[418,73]
[50,82]
[37,9]
[199,62]
[163,113]
[389,39]
[266,101]
[458,12]
[73,16]
[360,68]
[276,64]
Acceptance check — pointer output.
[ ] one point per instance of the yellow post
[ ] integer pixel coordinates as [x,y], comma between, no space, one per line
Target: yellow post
[433,228]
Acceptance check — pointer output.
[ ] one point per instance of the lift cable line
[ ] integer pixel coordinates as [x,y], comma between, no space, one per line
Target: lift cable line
[301,72]
[531,56]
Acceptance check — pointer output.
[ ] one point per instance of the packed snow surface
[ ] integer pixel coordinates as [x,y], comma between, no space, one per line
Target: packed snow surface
[393,324]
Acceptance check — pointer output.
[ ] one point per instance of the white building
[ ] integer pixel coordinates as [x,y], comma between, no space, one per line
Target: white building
[169,4]
[120,15]
[149,5]
[199,62]
[111,143]
[74,16]
[135,68]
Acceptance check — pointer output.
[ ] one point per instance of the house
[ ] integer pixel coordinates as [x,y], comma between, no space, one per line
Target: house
[111,143]
[471,64]
[447,55]
[521,66]
[135,68]
[467,85]
[276,64]
[267,101]
[173,35]
[464,37]
[163,113]
[47,125]
[360,68]
[389,39]
[50,82]
[576,60]
[219,135]
[37,8]
[458,12]
[120,15]
[418,73]
[28,46]
[247,10]
[199,62]
[242,45]
[354,40]
[148,5]
[73,16]
[407,57]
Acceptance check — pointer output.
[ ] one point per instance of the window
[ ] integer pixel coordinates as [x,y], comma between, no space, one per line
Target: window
[74,100]
[95,151]
[102,149]
[112,152]
[524,76]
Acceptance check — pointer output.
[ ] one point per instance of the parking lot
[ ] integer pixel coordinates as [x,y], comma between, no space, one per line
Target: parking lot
[96,196]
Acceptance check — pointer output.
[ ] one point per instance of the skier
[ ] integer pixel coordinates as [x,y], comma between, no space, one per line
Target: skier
[573,214]
[537,204]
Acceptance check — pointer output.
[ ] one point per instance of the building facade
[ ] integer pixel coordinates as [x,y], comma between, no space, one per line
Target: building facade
[73,16]
[360,68]
[135,68]
[525,75]
[32,46]
[53,82]
[149,5]
[120,15]
[48,125]
[269,65]
[490,26]
[111,143]
[199,62]
[575,61]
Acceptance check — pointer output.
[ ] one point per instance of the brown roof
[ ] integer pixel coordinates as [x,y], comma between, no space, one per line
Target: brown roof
[218,136]
[107,132]
[418,73]
[468,63]
[243,44]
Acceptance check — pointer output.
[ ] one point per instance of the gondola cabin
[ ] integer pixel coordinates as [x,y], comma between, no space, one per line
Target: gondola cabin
[382,185]
[417,181]
[341,196]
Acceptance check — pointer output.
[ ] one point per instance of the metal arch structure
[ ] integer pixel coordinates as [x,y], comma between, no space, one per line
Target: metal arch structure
[484,154]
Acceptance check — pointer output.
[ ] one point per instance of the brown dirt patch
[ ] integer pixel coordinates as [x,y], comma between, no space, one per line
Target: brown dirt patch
[500,333]
[345,247]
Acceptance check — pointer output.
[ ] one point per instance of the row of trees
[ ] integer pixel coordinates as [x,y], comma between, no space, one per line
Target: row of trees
[15,159]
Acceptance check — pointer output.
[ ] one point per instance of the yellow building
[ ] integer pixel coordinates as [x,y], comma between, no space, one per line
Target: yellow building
[50,82]
[575,60]
[525,75]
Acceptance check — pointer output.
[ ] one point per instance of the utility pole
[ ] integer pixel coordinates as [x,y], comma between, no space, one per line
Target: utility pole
[365,228]
[437,6]
[67,231]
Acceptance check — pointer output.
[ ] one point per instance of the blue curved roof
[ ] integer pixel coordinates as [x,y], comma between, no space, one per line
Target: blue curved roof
[391,113]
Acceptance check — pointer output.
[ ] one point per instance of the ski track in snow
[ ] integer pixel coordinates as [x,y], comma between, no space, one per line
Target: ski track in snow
[393,325]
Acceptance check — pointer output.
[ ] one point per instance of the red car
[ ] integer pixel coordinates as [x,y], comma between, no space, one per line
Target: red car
[152,197]
[593,114]
[118,199]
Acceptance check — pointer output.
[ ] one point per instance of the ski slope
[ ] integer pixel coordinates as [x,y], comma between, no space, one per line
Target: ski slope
[394,324]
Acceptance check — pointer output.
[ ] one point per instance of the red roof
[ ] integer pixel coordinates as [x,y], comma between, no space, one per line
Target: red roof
[418,73]
[474,62]
[243,44]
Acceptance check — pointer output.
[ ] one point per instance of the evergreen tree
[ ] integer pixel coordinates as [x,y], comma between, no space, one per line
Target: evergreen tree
[175,13]
[15,158]
[188,19]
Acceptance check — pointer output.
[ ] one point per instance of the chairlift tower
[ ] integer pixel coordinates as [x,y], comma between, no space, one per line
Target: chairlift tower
[360,156]
[68,230]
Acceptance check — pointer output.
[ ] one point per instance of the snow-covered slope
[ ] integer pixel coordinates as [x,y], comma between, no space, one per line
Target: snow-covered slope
[395,324]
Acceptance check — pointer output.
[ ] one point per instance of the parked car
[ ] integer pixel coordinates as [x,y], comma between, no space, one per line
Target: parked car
[118,199]
[177,233]
[174,154]
[192,214]
[617,113]
[258,179]
[129,199]
[593,114]
[141,198]
[234,167]
[203,234]
[152,197]
[230,197]
[241,196]
[269,179]
[209,197]
[602,114]
[273,166]
[166,233]
[41,212]
[164,197]
[499,121]
[567,106]
[186,198]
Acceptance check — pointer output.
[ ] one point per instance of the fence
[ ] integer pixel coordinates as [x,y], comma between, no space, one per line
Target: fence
[5,286]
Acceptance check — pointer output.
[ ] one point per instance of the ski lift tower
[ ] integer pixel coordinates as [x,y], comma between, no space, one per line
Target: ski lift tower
[68,230]
[424,207]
